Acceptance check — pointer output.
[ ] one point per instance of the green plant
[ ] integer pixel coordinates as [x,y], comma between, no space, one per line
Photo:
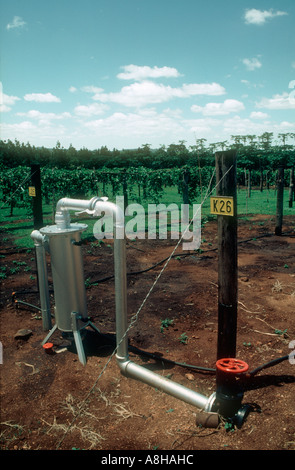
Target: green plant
[14,270]
[229,426]
[183,338]
[19,263]
[281,332]
[88,282]
[165,324]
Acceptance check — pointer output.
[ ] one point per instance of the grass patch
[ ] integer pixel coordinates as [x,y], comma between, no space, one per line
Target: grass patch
[19,226]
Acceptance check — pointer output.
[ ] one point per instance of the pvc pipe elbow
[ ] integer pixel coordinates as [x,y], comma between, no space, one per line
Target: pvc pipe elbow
[38,238]
[123,364]
[101,205]
[119,224]
[66,204]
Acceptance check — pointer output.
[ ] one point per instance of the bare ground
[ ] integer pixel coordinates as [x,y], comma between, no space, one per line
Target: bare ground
[51,402]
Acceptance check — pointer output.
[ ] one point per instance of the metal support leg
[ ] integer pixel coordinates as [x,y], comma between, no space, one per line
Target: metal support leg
[77,338]
[76,334]
[49,334]
[93,327]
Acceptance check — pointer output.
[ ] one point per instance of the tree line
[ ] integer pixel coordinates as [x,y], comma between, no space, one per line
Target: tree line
[253,152]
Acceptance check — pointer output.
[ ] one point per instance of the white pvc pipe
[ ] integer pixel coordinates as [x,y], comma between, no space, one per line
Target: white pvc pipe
[66,204]
[94,207]
[39,240]
[135,371]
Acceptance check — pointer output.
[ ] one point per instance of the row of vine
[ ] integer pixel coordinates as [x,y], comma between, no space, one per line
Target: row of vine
[135,183]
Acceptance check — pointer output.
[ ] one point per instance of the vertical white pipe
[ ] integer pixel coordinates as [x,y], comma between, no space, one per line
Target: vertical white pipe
[39,240]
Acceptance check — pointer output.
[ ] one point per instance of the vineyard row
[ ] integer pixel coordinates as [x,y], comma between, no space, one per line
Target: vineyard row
[134,183]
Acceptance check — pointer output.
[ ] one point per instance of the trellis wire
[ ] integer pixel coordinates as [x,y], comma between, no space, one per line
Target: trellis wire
[19,186]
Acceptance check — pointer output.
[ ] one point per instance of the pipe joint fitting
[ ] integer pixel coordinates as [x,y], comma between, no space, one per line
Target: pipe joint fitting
[38,238]
[123,363]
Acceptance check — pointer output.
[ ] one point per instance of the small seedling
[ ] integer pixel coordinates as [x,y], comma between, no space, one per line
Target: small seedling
[165,324]
[14,270]
[281,332]
[183,338]
[229,426]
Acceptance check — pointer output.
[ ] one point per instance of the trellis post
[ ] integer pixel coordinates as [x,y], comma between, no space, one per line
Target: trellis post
[226,187]
[280,201]
[36,192]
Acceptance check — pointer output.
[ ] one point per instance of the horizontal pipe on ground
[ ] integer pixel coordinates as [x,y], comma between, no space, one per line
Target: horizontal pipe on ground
[135,371]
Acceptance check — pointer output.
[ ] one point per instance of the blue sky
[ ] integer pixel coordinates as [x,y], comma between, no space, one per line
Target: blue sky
[124,73]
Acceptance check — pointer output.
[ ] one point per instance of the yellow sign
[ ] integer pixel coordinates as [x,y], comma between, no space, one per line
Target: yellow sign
[220,205]
[32,191]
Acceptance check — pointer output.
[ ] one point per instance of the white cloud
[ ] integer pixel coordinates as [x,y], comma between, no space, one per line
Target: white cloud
[212,89]
[147,92]
[258,115]
[285,126]
[22,126]
[252,64]
[44,117]
[16,23]
[90,110]
[6,101]
[202,127]
[138,73]
[92,89]
[282,101]
[259,17]
[42,98]
[148,125]
[239,126]
[222,129]
[40,134]
[4,108]
[252,85]
[142,125]
[72,89]
[214,109]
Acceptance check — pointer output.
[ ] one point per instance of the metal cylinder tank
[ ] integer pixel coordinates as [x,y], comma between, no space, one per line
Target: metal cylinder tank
[67,273]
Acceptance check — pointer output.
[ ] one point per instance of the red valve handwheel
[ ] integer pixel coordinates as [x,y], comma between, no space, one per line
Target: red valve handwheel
[48,347]
[232,365]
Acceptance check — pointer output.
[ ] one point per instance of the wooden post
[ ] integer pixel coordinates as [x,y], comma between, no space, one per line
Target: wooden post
[226,180]
[249,183]
[267,181]
[125,190]
[185,195]
[261,180]
[37,196]
[280,201]
[185,192]
[291,187]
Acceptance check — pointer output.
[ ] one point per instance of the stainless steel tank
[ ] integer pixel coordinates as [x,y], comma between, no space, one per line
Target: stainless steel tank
[67,273]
